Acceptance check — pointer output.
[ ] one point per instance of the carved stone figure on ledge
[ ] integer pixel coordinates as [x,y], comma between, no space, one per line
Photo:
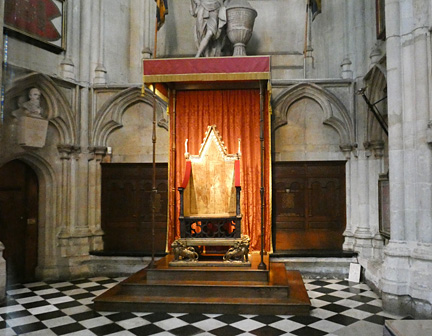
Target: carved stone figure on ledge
[31,126]
[210,31]
[32,107]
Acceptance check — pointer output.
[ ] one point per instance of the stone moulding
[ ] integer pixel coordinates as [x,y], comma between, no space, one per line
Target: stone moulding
[326,100]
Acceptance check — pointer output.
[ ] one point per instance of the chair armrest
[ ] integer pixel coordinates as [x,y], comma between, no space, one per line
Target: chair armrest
[237,173]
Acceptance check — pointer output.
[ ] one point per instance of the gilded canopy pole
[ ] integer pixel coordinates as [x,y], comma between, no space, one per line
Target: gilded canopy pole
[154,190]
[262,265]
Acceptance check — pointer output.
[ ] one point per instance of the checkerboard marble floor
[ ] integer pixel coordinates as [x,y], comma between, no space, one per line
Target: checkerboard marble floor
[65,308]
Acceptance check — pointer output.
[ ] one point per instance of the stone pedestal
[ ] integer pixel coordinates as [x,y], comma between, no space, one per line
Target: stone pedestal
[32,132]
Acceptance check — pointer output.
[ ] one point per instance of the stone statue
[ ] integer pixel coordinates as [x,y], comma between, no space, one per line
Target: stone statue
[29,124]
[32,106]
[210,31]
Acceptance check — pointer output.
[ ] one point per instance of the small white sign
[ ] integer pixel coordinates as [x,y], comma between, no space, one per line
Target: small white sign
[354,272]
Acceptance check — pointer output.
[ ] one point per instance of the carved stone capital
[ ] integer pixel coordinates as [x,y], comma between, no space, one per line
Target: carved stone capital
[67,151]
[346,71]
[368,149]
[375,54]
[98,152]
[347,149]
[377,147]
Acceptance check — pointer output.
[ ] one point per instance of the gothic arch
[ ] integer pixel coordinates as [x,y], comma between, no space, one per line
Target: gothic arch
[109,117]
[326,100]
[48,209]
[376,81]
[58,110]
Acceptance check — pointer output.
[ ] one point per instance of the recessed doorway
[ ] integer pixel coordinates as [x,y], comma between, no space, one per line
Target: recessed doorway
[19,191]
[309,206]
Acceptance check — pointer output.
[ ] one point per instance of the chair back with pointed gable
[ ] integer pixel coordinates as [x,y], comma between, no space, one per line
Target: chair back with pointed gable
[210,192]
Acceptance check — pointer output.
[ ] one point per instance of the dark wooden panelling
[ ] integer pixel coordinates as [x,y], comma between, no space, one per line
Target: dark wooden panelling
[127,208]
[19,220]
[308,205]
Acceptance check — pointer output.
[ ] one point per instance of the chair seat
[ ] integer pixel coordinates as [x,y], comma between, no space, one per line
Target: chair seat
[209,241]
[213,216]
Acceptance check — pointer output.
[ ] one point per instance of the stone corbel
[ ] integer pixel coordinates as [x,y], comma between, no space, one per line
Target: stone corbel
[98,152]
[346,68]
[377,147]
[368,149]
[65,151]
[376,53]
[347,149]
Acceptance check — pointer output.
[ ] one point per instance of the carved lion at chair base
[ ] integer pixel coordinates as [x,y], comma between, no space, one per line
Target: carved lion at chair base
[239,252]
[182,252]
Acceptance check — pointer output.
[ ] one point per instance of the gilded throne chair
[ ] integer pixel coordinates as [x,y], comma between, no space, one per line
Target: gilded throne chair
[210,212]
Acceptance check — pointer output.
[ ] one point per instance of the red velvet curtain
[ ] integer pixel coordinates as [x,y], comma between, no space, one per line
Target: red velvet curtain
[236,114]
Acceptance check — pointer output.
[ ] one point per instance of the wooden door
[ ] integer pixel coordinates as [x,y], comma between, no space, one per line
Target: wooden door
[127,208]
[309,205]
[19,221]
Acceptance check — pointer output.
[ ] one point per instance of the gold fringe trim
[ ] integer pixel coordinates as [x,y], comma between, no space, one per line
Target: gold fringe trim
[206,77]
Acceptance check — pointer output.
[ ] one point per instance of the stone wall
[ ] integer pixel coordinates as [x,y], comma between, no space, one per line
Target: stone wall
[92,98]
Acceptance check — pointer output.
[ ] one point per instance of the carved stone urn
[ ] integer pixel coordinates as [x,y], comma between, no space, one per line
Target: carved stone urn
[240,21]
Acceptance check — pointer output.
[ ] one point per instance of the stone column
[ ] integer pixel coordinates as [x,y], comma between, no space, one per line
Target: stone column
[149,24]
[375,168]
[396,254]
[422,88]
[348,244]
[63,211]
[67,65]
[98,33]
[363,234]
[359,40]
[137,33]
[346,71]
[421,278]
[396,159]
[94,191]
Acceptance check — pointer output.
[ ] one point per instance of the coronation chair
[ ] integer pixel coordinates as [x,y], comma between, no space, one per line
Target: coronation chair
[210,195]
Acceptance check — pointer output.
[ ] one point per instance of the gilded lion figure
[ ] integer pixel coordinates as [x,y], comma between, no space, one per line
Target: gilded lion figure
[240,251]
[182,252]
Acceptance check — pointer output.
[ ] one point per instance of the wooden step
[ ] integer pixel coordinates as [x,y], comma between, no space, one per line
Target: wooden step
[254,306]
[204,274]
[213,290]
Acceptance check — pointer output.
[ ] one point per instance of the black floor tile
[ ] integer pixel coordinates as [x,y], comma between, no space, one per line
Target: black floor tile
[145,330]
[267,331]
[107,329]
[68,328]
[342,319]
[267,319]
[27,328]
[226,331]
[193,318]
[229,318]
[308,331]
[187,330]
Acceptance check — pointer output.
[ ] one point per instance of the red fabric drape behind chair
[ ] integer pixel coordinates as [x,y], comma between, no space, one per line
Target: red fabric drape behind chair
[236,113]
